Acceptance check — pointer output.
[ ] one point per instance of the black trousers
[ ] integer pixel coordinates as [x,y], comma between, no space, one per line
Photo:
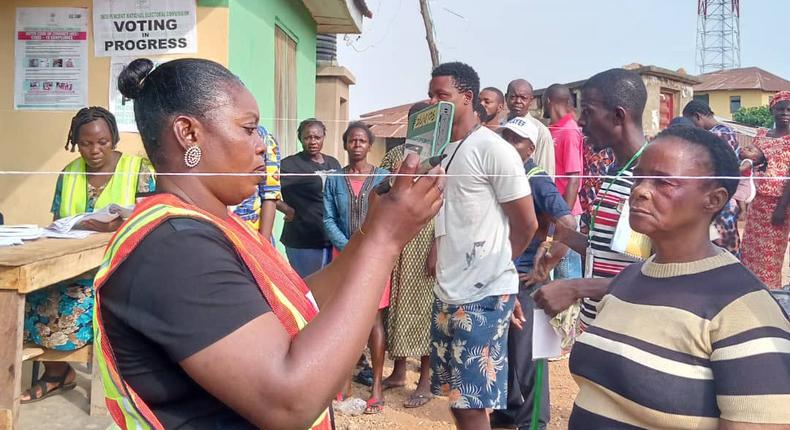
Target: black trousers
[521,374]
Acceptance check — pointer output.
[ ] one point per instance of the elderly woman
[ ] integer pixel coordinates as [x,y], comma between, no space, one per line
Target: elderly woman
[60,317]
[218,331]
[345,209]
[767,220]
[710,347]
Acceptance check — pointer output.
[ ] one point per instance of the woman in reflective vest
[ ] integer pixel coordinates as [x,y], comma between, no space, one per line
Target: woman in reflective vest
[60,317]
[199,322]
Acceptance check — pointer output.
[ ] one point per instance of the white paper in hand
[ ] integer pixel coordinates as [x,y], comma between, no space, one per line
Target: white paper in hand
[546,343]
[104,215]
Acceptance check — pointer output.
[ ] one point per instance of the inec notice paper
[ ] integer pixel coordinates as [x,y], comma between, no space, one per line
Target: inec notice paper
[51,58]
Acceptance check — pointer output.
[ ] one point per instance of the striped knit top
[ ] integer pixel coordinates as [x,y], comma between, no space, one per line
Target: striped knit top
[682,345]
[607,263]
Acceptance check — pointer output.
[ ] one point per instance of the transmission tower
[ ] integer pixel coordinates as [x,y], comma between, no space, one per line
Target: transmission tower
[718,35]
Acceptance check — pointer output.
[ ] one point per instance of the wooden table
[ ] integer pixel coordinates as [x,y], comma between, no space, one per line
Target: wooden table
[23,269]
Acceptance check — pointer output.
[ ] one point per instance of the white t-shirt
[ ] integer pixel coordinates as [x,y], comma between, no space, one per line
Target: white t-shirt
[472,231]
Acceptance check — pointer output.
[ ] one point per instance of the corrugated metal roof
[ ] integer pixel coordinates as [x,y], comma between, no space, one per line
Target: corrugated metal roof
[739,128]
[747,78]
[389,122]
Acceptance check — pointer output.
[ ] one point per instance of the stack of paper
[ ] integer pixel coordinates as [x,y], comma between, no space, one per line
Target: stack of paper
[65,225]
[15,234]
[8,241]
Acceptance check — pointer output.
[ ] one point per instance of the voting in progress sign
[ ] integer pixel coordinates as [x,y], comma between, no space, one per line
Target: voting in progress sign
[134,28]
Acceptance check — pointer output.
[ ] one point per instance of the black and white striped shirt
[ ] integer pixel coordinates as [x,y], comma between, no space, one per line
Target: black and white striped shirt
[609,201]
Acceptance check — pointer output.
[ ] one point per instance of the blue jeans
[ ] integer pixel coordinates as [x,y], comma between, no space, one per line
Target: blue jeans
[308,261]
[570,267]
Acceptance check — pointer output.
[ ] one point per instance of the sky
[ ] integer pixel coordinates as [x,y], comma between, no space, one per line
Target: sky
[544,41]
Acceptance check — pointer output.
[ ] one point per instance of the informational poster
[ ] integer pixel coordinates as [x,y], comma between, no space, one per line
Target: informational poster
[51,58]
[135,28]
[120,106]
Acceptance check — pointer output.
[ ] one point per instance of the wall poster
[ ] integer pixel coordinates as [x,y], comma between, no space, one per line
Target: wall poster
[51,58]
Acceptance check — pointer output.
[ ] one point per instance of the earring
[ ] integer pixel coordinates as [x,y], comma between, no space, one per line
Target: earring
[192,156]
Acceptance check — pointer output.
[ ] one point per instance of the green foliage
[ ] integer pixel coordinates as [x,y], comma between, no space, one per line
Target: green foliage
[755,116]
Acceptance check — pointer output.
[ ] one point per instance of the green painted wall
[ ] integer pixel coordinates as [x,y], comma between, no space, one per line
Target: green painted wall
[251,57]
[251,53]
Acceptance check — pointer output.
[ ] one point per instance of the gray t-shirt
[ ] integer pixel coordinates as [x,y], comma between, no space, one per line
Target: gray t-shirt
[472,231]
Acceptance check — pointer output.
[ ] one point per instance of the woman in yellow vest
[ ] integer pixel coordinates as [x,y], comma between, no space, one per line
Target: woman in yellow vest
[60,317]
[199,322]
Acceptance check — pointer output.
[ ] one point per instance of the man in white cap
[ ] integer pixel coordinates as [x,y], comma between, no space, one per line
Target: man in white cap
[550,207]
[519,98]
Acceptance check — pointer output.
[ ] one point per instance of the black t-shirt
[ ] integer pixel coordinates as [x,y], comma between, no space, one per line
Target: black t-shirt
[182,289]
[306,195]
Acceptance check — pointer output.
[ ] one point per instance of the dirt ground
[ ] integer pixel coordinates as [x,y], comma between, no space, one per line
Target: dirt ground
[436,414]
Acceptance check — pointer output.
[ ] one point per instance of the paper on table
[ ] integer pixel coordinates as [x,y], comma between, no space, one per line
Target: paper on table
[104,215]
[545,341]
[8,241]
[21,231]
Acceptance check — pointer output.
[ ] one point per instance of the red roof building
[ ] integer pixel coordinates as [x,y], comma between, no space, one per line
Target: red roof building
[727,91]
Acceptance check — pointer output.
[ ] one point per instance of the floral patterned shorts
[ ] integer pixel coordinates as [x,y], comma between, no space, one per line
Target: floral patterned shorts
[469,352]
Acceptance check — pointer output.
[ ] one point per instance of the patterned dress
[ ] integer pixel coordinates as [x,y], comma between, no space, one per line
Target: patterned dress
[60,317]
[596,164]
[269,189]
[764,244]
[408,318]
[727,222]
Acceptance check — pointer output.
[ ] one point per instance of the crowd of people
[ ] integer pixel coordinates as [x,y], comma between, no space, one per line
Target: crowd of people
[199,322]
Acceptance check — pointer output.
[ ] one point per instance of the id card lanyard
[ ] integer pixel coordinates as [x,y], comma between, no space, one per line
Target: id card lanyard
[606,191]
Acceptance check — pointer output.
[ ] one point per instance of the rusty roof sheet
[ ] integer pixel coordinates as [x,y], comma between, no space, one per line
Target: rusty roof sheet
[747,78]
[389,122]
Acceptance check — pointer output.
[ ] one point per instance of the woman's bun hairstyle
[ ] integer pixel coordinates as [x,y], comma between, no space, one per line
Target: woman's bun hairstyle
[132,78]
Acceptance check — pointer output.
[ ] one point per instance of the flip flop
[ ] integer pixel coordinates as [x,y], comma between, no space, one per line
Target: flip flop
[42,384]
[374,407]
[416,400]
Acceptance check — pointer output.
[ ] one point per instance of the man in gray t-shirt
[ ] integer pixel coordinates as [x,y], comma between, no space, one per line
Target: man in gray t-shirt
[487,194]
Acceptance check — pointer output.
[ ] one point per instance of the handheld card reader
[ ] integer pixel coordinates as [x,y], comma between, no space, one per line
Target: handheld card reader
[429,130]
[424,167]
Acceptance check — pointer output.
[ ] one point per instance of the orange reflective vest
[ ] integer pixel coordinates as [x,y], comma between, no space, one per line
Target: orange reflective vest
[283,289]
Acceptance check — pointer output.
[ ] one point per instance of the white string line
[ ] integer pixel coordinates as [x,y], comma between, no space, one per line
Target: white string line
[371,122]
[449,175]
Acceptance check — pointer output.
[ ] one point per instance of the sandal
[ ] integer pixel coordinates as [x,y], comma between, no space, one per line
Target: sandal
[417,400]
[61,386]
[375,406]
